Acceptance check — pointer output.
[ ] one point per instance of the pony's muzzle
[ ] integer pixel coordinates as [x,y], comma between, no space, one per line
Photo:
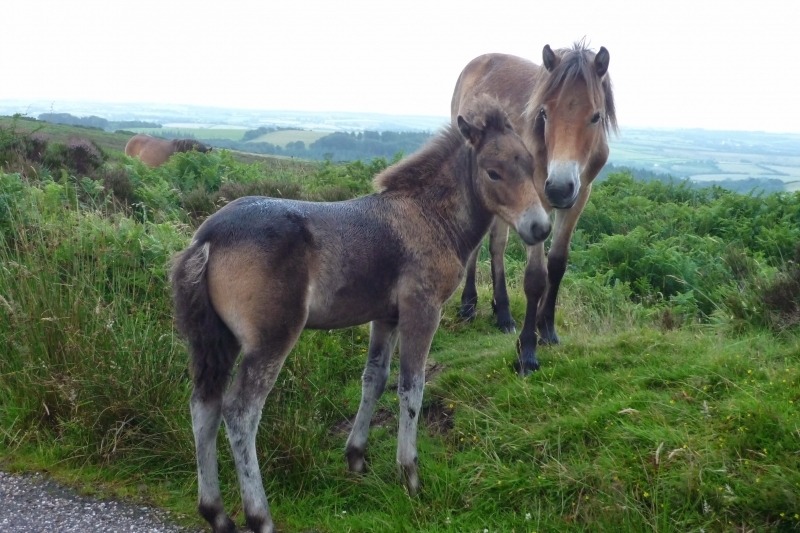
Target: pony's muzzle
[563,183]
[533,225]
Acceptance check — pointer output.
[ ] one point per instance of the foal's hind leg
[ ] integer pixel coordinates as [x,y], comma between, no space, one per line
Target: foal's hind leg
[206,409]
[382,339]
[242,406]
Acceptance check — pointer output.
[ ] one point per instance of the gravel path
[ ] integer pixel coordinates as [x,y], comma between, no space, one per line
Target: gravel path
[33,504]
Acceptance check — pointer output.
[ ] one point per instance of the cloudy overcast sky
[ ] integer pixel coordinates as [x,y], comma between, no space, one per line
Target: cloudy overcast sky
[686,64]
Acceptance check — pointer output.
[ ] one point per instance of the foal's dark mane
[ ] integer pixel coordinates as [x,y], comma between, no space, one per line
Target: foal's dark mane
[576,63]
[423,169]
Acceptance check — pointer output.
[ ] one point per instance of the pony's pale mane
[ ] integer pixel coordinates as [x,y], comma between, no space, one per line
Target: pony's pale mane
[577,63]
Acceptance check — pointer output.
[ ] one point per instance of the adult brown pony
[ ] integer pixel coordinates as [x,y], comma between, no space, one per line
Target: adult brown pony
[563,111]
[154,152]
[261,270]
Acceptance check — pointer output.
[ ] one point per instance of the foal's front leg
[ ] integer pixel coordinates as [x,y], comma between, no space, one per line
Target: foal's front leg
[382,340]
[417,326]
[498,240]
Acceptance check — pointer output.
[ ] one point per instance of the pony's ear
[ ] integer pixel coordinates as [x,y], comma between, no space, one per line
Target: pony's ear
[549,58]
[470,132]
[601,61]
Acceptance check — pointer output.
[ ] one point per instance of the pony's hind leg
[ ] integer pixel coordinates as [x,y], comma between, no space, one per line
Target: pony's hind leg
[382,340]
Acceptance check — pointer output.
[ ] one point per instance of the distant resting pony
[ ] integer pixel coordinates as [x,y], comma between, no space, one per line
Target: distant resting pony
[563,110]
[261,270]
[153,151]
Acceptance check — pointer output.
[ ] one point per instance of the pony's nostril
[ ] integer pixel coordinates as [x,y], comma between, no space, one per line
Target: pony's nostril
[540,231]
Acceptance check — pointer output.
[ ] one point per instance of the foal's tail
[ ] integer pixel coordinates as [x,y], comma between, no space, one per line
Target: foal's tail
[213,347]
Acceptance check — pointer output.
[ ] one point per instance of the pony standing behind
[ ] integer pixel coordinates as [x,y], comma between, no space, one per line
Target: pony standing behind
[154,152]
[563,111]
[261,270]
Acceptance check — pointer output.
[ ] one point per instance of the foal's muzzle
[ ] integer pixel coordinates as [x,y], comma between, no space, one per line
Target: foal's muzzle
[563,183]
[533,225]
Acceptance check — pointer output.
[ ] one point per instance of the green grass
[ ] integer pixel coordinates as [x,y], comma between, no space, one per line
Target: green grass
[283,137]
[626,428]
[629,426]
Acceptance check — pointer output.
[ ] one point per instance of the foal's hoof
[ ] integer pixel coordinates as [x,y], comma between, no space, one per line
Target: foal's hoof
[410,478]
[356,461]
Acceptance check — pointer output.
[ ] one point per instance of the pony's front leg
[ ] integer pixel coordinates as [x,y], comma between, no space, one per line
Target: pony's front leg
[535,284]
[566,220]
[382,340]
[417,326]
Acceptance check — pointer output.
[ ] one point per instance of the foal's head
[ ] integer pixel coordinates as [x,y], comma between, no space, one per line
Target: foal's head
[505,169]
[573,110]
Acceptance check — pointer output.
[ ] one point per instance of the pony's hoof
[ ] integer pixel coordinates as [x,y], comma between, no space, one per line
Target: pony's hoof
[507,326]
[467,312]
[548,338]
[547,333]
[526,361]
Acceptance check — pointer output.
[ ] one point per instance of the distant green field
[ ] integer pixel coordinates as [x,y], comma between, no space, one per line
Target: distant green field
[742,168]
[284,137]
[198,133]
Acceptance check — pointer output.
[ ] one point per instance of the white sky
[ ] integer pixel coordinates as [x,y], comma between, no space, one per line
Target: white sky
[701,63]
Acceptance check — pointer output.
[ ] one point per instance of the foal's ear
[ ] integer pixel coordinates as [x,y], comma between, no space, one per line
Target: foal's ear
[601,61]
[470,132]
[549,58]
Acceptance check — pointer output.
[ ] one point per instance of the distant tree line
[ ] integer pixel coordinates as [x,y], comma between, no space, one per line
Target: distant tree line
[93,121]
[743,186]
[338,146]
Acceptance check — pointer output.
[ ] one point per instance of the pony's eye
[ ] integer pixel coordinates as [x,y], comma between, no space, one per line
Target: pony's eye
[596,118]
[544,114]
[494,176]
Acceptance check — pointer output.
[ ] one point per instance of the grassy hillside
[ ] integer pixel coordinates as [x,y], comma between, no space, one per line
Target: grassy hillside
[670,405]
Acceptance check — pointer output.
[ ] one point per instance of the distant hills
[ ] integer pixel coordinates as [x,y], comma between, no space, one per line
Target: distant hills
[734,159]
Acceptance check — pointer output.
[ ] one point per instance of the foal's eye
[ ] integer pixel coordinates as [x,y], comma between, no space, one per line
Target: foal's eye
[596,118]
[544,114]
[494,176]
